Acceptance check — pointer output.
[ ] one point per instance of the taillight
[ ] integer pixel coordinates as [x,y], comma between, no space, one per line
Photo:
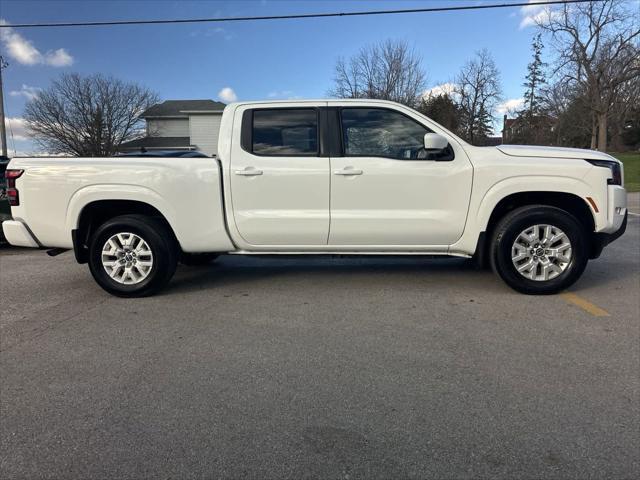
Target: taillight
[12,191]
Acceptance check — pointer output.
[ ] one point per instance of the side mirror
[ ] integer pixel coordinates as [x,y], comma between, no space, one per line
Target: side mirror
[433,141]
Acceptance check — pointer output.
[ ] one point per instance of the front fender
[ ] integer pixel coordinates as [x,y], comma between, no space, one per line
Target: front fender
[523,184]
[484,200]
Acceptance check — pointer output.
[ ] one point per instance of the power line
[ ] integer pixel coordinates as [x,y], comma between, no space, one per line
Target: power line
[295,16]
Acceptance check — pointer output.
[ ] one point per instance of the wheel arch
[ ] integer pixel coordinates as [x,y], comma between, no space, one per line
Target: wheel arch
[569,202]
[97,212]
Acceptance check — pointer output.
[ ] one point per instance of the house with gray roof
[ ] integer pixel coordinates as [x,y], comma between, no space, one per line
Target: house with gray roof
[180,125]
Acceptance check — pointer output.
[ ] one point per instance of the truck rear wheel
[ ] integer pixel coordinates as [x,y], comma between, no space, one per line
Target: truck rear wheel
[132,255]
[539,250]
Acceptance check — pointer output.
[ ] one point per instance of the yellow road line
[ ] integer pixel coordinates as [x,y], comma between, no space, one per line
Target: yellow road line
[586,305]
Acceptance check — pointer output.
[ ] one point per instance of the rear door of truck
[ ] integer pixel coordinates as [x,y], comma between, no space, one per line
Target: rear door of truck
[279,178]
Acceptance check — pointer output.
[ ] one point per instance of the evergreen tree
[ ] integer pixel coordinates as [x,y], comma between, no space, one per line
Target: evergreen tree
[484,127]
[441,109]
[532,114]
[535,79]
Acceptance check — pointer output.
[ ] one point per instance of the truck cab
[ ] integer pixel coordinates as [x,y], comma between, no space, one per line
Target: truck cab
[344,176]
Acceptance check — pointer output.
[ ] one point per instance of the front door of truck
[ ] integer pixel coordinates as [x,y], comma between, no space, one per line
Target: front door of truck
[279,181]
[386,190]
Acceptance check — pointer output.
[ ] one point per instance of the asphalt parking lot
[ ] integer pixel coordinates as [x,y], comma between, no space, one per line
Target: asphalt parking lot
[320,368]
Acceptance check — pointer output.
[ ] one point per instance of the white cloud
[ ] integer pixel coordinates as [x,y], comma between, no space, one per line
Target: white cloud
[227,95]
[18,127]
[21,142]
[219,31]
[32,150]
[210,32]
[510,106]
[58,58]
[283,94]
[444,88]
[533,14]
[18,47]
[26,91]
[24,52]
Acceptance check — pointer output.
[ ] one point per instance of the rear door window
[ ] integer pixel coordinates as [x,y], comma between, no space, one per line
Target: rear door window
[285,132]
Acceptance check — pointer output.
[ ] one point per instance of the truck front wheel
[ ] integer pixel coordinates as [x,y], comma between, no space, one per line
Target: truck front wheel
[539,250]
[132,255]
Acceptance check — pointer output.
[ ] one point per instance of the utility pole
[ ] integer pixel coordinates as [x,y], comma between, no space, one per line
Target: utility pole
[3,130]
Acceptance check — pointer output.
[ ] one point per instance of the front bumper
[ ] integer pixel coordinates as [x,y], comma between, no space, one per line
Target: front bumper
[18,234]
[601,239]
[616,209]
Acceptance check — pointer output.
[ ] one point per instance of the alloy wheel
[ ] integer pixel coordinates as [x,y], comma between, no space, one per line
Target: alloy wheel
[541,252]
[127,258]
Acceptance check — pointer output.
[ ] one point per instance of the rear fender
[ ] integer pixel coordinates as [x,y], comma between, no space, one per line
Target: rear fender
[95,193]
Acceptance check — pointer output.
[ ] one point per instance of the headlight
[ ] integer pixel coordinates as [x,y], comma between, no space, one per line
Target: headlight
[615,167]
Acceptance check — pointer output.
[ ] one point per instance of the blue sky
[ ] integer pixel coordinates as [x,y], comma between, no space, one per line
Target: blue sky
[251,60]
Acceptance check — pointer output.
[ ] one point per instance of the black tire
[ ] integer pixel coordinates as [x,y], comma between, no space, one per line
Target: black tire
[197,259]
[516,222]
[161,242]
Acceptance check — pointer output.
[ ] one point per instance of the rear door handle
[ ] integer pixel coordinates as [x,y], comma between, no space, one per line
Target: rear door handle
[248,172]
[348,171]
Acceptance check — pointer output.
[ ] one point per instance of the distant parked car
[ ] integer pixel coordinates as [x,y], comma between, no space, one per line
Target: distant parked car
[164,153]
[5,209]
[4,161]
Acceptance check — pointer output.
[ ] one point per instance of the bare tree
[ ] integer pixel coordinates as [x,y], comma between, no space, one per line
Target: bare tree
[87,116]
[622,113]
[597,47]
[389,70]
[568,107]
[478,91]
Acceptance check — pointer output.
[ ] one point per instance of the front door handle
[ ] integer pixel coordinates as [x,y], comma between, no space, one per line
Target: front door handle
[348,171]
[248,172]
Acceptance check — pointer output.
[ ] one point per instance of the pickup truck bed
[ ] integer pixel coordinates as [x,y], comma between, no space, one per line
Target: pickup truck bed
[64,192]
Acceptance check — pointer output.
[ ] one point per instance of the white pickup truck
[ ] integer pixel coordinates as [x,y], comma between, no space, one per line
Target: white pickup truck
[363,177]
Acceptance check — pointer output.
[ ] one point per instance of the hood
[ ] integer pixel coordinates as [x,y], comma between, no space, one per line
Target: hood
[552,152]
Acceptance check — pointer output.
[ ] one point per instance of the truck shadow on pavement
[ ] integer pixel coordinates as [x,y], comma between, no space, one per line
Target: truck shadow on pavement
[229,271]
[438,274]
